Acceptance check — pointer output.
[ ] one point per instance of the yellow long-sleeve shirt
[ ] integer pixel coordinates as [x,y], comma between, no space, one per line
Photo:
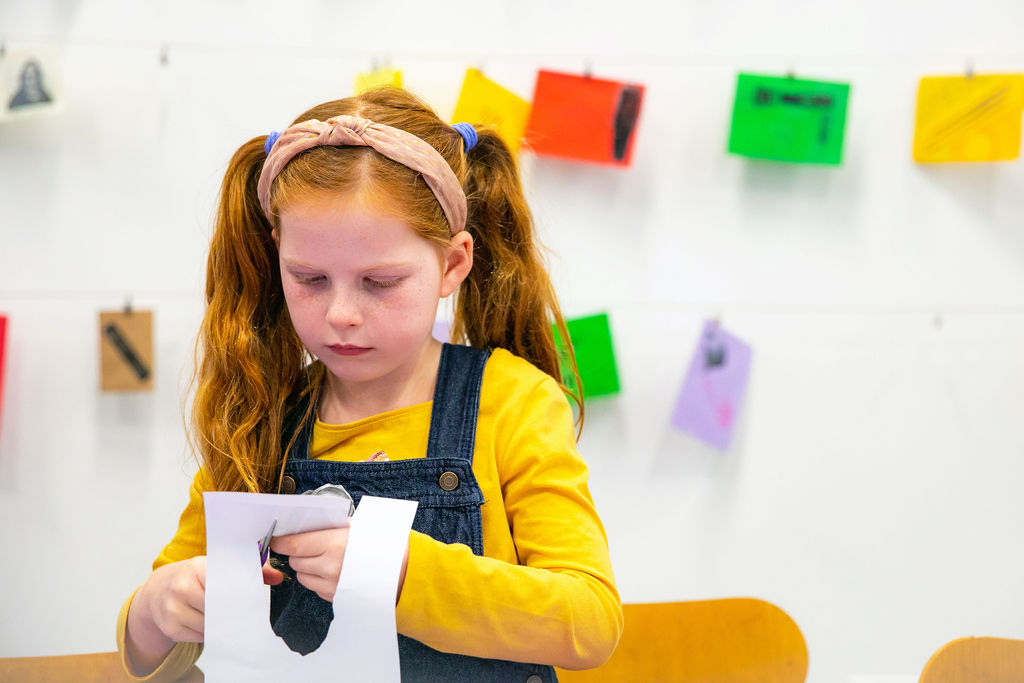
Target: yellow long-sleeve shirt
[543,591]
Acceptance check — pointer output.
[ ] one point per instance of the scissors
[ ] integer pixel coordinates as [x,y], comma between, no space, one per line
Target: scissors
[264,543]
[328,490]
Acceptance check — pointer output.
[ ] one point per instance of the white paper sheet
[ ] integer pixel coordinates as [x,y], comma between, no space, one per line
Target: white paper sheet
[362,643]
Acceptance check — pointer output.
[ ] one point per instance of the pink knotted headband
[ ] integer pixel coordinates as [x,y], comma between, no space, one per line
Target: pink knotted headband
[394,143]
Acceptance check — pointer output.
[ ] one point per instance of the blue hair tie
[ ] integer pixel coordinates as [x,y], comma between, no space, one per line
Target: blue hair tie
[271,139]
[468,133]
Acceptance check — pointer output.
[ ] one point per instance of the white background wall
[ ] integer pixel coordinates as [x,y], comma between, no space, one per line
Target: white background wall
[873,489]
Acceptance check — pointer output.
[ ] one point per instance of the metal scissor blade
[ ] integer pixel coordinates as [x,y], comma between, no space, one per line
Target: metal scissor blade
[265,542]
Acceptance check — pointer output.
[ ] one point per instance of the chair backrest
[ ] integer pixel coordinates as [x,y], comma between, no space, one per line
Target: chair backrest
[101,667]
[735,640]
[970,660]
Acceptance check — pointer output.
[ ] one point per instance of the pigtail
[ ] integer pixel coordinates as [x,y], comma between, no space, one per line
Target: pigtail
[249,358]
[508,300]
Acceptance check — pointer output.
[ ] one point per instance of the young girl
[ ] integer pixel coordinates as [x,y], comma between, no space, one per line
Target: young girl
[337,240]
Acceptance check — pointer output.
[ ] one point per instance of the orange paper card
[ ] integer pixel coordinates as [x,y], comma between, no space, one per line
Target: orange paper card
[126,350]
[584,118]
[484,101]
[975,118]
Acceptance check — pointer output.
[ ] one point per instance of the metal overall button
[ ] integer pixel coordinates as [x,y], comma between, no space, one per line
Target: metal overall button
[534,679]
[449,481]
[287,485]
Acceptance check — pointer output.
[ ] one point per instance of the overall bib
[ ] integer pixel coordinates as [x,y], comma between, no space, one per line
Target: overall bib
[449,511]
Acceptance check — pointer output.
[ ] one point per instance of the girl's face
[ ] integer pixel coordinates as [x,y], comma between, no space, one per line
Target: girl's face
[362,287]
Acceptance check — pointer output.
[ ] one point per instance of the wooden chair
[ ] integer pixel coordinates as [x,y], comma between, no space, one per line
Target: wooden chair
[974,660]
[737,640]
[103,667]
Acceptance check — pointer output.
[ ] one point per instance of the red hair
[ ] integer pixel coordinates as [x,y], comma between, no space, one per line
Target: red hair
[252,360]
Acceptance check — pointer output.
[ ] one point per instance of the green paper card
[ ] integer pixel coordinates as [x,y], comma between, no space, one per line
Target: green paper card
[595,356]
[788,119]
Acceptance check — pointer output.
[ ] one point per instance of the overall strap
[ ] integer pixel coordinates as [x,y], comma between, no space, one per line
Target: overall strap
[456,402]
[295,409]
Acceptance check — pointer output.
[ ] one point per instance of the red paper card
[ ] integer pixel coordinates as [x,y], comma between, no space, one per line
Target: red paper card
[584,118]
[3,346]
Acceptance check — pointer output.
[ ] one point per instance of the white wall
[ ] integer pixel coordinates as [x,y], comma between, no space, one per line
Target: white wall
[873,488]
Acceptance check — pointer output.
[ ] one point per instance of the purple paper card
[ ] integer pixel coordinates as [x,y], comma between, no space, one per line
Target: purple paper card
[710,399]
[442,331]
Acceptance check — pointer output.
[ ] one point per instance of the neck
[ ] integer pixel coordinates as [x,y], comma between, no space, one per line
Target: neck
[343,402]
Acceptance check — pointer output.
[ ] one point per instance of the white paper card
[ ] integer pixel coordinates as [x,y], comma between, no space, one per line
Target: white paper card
[362,643]
[30,82]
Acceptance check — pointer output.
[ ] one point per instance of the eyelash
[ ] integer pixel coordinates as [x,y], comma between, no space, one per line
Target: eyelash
[383,284]
[378,284]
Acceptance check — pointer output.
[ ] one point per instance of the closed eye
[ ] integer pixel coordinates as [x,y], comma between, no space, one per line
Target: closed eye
[308,279]
[383,284]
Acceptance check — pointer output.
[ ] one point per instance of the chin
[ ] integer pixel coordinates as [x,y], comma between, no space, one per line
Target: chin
[354,369]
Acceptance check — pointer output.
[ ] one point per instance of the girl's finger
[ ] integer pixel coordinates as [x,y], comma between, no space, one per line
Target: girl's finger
[196,600]
[310,543]
[200,569]
[319,585]
[190,636]
[271,576]
[190,619]
[315,566]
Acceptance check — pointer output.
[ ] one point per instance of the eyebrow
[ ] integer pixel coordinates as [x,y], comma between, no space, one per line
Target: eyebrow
[299,264]
[377,266]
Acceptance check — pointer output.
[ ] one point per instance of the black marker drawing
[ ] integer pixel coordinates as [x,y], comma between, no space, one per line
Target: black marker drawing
[626,113]
[126,351]
[714,356]
[30,86]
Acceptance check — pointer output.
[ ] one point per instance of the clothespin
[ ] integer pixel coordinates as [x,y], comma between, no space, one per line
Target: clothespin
[969,69]
[165,55]
[714,351]
[588,68]
[128,305]
[716,324]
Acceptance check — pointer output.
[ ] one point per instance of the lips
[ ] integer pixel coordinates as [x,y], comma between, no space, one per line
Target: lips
[348,349]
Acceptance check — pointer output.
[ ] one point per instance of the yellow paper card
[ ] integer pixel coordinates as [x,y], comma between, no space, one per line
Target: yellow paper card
[378,78]
[482,101]
[969,118]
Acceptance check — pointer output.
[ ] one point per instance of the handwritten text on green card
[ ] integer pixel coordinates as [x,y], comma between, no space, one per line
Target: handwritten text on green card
[788,119]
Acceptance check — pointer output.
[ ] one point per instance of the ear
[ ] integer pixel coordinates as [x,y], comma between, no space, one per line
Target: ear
[276,236]
[457,262]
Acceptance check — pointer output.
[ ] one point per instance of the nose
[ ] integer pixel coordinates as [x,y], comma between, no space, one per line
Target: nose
[344,311]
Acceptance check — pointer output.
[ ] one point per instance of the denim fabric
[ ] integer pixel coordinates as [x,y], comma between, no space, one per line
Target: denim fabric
[302,618]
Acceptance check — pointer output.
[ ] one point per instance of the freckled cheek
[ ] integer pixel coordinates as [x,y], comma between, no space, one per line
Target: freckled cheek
[304,308]
[404,308]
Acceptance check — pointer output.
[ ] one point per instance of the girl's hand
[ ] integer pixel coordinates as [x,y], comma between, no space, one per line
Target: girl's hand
[316,557]
[168,608]
[173,599]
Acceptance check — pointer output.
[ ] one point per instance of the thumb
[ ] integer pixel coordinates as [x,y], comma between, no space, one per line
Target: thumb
[271,576]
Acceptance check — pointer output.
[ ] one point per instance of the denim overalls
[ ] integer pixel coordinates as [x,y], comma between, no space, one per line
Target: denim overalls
[449,511]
